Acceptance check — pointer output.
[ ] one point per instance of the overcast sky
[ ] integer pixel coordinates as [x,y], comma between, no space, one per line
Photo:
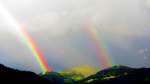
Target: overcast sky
[57,26]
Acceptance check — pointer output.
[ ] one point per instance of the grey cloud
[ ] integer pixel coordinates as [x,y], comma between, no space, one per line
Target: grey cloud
[58,28]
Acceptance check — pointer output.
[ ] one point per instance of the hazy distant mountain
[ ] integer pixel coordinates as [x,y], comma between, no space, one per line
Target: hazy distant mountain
[71,75]
[16,75]
[79,72]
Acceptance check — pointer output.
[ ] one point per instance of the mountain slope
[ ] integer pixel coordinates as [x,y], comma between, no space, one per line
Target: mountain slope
[71,75]
[16,75]
[119,75]
[54,77]
[79,72]
[113,75]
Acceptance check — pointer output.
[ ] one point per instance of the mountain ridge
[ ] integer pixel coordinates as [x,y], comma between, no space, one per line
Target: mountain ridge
[9,74]
[114,75]
[119,74]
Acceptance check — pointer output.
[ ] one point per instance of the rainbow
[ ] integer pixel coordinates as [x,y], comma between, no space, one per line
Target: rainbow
[102,51]
[26,38]
[36,52]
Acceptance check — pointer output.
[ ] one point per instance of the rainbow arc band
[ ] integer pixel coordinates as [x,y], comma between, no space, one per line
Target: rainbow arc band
[19,31]
[102,52]
[36,52]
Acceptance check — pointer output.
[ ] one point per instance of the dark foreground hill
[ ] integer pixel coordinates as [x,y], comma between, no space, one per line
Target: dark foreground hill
[8,74]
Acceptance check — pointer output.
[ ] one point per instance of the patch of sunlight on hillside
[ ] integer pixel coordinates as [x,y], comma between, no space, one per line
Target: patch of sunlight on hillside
[79,72]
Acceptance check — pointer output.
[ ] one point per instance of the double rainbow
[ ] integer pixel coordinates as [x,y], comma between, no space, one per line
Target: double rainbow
[101,48]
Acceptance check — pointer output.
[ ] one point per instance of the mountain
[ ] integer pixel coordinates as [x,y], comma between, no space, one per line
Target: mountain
[8,74]
[114,71]
[114,75]
[71,75]
[58,78]
[54,77]
[79,72]
[119,75]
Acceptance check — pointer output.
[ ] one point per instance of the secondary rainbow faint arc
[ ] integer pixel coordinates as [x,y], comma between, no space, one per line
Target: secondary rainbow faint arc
[26,38]
[102,51]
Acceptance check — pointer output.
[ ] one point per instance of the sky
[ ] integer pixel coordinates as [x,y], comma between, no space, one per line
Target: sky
[58,27]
